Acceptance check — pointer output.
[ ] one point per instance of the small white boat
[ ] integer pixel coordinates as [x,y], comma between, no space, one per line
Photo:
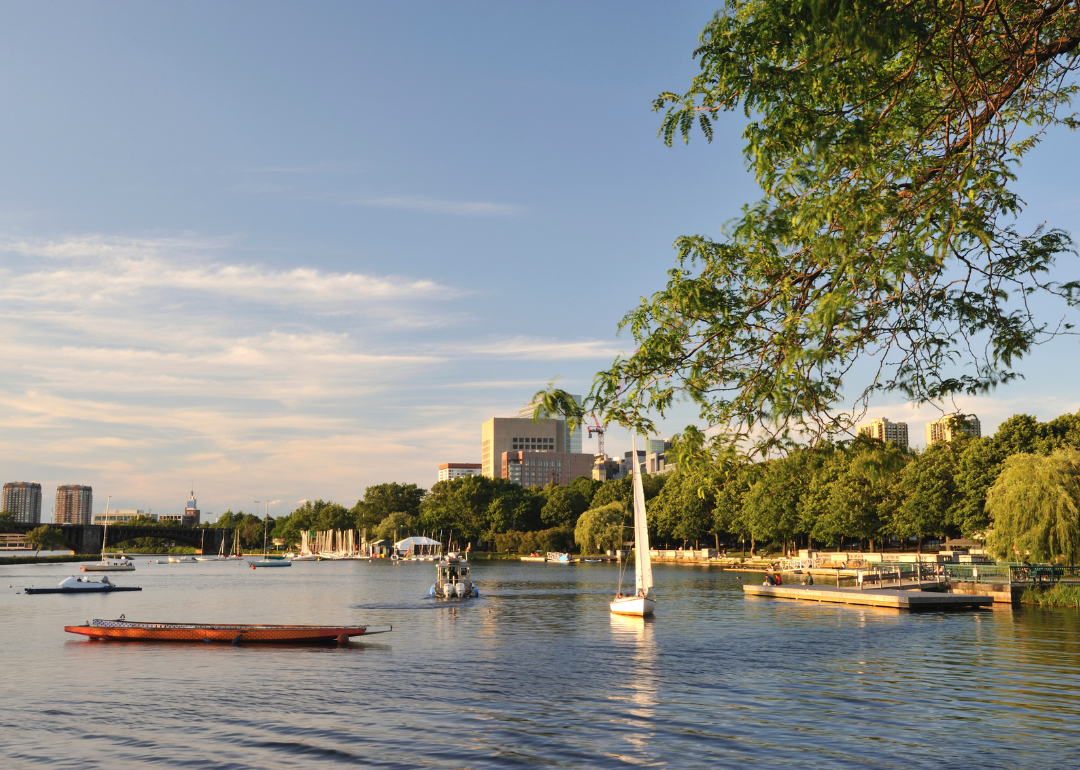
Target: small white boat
[559,558]
[533,557]
[181,560]
[641,602]
[111,563]
[453,579]
[76,585]
[271,563]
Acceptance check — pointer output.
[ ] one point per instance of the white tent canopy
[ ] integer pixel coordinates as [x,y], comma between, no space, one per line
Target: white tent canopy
[410,542]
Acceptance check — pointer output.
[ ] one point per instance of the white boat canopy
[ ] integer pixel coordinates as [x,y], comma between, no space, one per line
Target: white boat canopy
[411,542]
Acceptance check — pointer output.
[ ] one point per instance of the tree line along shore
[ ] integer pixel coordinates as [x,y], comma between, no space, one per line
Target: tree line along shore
[1019,489]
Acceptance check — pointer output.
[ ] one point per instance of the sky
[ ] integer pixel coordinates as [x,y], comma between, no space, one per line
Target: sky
[284,251]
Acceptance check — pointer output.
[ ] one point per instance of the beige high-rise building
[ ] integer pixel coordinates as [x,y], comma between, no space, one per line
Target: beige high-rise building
[74,504]
[23,498]
[951,426]
[539,468]
[886,430]
[572,440]
[517,434]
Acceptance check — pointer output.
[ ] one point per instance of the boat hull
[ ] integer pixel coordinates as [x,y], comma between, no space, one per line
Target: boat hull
[128,631]
[94,590]
[638,606]
[107,568]
[271,563]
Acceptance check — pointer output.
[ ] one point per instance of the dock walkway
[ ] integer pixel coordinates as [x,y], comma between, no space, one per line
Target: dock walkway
[874,597]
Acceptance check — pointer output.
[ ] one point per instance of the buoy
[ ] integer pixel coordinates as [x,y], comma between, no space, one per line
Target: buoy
[253,566]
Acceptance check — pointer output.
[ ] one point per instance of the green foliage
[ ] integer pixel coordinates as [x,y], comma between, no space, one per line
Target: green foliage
[599,529]
[563,506]
[397,526]
[928,491]
[1059,595]
[1035,506]
[7,521]
[539,541]
[44,538]
[381,500]
[885,138]
[678,511]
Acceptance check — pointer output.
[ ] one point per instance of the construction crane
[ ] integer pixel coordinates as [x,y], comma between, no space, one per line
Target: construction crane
[598,430]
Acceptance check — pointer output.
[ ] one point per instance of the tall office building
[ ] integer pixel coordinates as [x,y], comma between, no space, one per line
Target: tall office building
[572,441]
[191,512]
[451,471]
[886,430]
[23,498]
[74,504]
[518,434]
[951,426]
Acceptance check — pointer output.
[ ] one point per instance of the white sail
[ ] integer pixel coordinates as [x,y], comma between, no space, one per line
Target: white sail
[642,562]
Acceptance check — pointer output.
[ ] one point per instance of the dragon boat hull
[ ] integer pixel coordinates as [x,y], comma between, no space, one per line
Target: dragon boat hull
[131,631]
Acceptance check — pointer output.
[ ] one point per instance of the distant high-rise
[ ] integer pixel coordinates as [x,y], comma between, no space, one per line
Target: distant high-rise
[951,426]
[451,471]
[571,441]
[23,498]
[886,430]
[74,504]
[511,434]
[191,511]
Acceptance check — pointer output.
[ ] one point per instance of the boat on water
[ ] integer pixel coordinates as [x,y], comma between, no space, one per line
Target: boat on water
[133,631]
[77,585]
[641,602]
[267,560]
[221,555]
[181,560]
[559,558]
[453,579]
[110,562]
[533,557]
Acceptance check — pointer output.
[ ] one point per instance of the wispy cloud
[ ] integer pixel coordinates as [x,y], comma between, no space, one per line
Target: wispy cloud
[544,349]
[437,206]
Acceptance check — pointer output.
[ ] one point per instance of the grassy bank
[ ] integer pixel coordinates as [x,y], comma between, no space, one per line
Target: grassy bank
[49,559]
[1061,595]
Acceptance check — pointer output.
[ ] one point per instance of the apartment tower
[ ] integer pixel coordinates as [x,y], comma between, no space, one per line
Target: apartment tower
[951,426]
[74,504]
[886,430]
[23,498]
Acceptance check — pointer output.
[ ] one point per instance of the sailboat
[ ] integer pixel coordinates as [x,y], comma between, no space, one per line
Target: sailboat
[266,561]
[642,602]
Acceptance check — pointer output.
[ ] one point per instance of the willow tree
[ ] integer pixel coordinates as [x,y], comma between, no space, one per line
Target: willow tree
[885,138]
[1035,507]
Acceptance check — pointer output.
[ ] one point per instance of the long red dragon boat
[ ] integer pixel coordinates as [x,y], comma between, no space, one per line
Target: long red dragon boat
[132,631]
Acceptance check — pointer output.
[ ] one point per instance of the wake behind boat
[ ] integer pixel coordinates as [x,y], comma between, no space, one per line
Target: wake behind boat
[75,585]
[132,631]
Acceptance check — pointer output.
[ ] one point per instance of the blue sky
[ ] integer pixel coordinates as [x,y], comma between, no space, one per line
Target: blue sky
[286,251]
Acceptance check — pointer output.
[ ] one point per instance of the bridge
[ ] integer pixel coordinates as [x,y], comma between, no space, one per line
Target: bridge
[91,538]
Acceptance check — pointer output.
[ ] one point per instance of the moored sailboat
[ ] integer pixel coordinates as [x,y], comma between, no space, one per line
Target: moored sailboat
[641,603]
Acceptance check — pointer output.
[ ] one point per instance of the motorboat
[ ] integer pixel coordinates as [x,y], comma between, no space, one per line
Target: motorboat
[641,602]
[110,563]
[132,631]
[181,560]
[533,557]
[559,558]
[453,579]
[271,563]
[84,585]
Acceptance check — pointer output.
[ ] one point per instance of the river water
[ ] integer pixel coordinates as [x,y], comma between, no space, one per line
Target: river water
[534,673]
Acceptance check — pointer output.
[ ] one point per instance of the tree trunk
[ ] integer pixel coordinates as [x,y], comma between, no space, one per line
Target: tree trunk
[918,548]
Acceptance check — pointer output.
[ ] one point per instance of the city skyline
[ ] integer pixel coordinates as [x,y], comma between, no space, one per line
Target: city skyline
[204,270]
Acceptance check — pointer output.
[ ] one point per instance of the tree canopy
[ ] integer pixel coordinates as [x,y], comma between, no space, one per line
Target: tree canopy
[1035,504]
[885,138]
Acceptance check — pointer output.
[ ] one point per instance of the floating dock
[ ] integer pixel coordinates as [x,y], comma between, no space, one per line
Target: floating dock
[874,597]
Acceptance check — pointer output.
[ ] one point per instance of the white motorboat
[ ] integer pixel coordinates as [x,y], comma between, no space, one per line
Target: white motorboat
[559,558]
[181,560]
[641,602]
[453,579]
[77,585]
